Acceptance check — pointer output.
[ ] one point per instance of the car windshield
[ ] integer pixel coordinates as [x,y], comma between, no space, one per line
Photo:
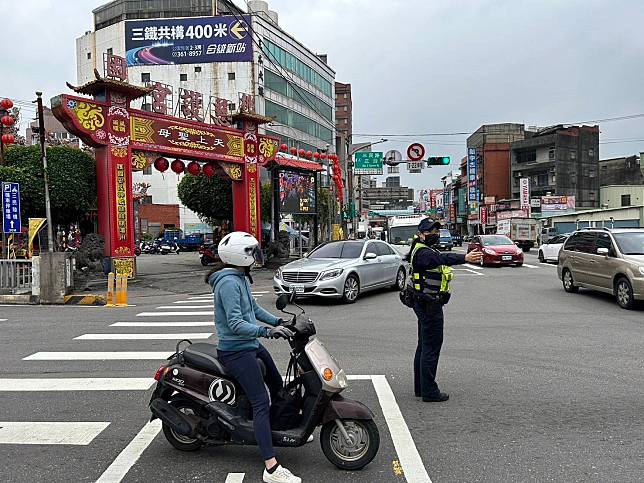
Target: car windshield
[495,241]
[445,234]
[402,235]
[630,243]
[346,249]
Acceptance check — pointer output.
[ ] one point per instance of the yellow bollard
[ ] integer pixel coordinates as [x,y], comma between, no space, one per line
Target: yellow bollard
[123,291]
[110,290]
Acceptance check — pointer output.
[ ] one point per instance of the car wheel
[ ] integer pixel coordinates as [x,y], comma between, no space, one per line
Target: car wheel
[400,279]
[624,293]
[568,283]
[351,289]
[542,259]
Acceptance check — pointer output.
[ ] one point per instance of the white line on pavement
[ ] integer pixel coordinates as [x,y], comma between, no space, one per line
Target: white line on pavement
[211,306]
[77,384]
[97,356]
[529,266]
[191,302]
[193,335]
[130,455]
[163,324]
[470,271]
[410,460]
[474,267]
[3,320]
[235,478]
[74,433]
[164,314]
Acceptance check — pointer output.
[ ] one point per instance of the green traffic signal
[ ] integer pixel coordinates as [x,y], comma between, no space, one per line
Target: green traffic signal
[438,161]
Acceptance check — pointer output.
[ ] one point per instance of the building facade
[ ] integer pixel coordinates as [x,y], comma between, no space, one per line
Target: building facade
[626,170]
[621,196]
[56,132]
[559,161]
[287,81]
[343,110]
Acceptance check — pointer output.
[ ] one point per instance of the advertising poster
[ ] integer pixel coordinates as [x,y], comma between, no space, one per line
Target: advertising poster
[297,193]
[557,204]
[524,188]
[472,175]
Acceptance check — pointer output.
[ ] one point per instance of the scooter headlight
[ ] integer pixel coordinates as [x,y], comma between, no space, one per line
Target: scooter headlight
[342,379]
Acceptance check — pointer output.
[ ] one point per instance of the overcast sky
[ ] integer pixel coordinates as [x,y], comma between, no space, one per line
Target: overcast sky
[416,66]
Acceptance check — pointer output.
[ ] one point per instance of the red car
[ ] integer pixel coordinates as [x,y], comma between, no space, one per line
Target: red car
[497,250]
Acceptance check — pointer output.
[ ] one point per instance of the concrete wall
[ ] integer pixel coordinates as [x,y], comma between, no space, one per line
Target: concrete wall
[161,214]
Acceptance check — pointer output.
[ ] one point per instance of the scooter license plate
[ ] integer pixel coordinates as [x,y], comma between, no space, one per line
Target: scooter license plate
[297,287]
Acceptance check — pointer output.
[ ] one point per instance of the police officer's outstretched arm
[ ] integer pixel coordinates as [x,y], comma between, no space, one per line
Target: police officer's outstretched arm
[430,259]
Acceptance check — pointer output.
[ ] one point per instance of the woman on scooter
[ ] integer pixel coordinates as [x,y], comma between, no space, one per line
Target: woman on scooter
[236,317]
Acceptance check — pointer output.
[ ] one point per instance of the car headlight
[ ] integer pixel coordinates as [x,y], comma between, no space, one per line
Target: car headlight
[489,251]
[519,251]
[278,274]
[641,270]
[329,274]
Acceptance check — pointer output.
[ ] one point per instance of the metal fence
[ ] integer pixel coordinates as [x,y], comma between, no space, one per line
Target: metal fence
[15,276]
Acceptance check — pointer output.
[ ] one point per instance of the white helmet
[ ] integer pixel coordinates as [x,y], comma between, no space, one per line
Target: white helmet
[240,249]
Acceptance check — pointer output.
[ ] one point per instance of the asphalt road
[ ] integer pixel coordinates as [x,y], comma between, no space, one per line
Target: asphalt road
[544,385]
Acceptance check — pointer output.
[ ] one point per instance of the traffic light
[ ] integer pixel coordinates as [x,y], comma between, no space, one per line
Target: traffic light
[438,161]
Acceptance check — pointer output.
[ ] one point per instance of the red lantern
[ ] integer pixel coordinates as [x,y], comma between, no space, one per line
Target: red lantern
[6,103]
[284,147]
[161,164]
[178,166]
[193,168]
[308,154]
[7,120]
[316,155]
[301,152]
[293,150]
[8,139]
[323,156]
[209,170]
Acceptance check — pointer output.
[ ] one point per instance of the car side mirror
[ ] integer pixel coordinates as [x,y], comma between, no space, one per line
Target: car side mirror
[370,256]
[603,251]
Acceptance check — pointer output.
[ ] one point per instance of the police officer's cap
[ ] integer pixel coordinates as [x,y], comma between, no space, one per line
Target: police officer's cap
[428,225]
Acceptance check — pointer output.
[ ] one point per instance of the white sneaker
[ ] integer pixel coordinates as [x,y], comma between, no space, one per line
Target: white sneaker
[281,475]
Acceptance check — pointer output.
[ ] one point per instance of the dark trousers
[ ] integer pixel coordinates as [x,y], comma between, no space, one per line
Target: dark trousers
[243,366]
[430,341]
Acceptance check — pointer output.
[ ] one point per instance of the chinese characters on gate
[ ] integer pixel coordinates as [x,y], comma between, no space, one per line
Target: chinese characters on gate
[121,202]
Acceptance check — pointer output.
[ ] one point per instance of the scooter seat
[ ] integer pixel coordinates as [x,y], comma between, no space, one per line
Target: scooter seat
[204,356]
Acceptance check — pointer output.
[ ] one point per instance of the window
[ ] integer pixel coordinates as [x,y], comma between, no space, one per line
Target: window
[347,249]
[89,55]
[231,76]
[526,156]
[231,107]
[581,242]
[603,241]
[346,108]
[382,249]
[551,154]
[197,69]
[147,170]
[626,200]
[573,155]
[183,77]
[145,77]
[591,152]
[345,95]
[110,51]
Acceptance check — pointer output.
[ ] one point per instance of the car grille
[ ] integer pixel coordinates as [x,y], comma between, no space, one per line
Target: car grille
[299,277]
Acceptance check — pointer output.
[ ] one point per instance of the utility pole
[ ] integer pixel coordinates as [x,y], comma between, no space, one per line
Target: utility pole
[43,152]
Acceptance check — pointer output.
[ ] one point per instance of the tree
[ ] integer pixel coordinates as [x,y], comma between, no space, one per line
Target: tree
[72,181]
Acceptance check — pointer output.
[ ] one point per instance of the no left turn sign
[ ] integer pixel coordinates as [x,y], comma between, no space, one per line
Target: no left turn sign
[416,152]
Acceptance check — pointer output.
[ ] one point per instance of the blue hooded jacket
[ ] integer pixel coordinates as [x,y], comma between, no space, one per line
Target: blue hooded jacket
[237,311]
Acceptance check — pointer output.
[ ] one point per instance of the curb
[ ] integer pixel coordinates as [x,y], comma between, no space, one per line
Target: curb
[84,300]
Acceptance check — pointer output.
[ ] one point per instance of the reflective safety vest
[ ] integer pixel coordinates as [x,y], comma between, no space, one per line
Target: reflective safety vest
[431,281]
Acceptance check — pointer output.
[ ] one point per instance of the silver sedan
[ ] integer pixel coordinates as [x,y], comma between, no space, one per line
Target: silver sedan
[343,269]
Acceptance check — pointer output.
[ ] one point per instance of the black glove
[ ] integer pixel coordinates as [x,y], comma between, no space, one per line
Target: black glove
[281,321]
[279,332]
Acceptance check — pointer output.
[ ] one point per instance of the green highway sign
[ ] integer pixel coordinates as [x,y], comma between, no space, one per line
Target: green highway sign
[367,163]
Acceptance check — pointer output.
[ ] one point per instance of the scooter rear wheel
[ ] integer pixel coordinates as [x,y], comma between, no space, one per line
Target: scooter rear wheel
[179,441]
[354,454]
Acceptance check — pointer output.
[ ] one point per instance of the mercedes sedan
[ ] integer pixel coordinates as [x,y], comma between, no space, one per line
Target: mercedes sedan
[343,269]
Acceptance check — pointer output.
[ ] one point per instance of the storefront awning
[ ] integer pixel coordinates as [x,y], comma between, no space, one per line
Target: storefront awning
[291,162]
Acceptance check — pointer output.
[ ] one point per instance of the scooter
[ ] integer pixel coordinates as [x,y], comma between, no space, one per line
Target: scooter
[207,255]
[199,403]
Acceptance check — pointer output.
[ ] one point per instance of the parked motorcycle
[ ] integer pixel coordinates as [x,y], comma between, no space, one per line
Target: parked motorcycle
[207,254]
[199,403]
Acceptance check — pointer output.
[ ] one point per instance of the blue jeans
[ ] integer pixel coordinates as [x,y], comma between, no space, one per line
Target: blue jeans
[243,366]
[430,341]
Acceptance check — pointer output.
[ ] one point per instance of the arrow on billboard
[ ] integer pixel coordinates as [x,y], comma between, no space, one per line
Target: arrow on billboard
[11,224]
[239,30]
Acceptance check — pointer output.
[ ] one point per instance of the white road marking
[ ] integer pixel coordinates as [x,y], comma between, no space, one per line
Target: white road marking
[191,302]
[193,335]
[201,297]
[411,462]
[163,324]
[97,356]
[469,271]
[171,314]
[77,384]
[529,266]
[211,306]
[3,320]
[74,433]
[130,455]
[473,267]
[235,478]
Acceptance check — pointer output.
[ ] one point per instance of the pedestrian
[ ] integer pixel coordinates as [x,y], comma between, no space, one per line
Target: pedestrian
[430,279]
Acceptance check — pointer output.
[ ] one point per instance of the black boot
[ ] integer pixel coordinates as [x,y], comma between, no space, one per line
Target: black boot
[440,397]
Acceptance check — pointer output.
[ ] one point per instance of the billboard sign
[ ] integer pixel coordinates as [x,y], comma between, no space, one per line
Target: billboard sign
[506,215]
[193,40]
[472,193]
[483,215]
[535,202]
[297,193]
[11,222]
[524,188]
[368,163]
[557,204]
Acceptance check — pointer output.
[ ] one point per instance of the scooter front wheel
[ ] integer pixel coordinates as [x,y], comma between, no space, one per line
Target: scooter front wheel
[354,453]
[179,441]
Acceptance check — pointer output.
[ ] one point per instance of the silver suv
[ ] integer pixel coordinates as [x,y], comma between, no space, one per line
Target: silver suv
[610,261]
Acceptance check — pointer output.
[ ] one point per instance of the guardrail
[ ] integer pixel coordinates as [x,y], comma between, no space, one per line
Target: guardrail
[15,276]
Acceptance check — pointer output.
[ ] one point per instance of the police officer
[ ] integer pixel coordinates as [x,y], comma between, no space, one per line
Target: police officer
[431,276]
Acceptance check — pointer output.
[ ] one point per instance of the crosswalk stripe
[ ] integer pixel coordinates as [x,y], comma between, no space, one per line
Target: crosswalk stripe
[163,324]
[529,266]
[173,314]
[235,478]
[211,306]
[97,356]
[473,267]
[3,320]
[193,335]
[77,433]
[77,384]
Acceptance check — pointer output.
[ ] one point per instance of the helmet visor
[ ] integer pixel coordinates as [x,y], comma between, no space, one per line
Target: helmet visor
[257,254]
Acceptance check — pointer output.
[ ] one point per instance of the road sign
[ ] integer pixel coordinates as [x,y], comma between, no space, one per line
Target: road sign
[415,166]
[416,151]
[11,222]
[367,163]
[393,157]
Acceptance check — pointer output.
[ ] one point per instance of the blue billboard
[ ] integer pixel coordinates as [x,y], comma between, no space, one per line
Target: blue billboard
[188,40]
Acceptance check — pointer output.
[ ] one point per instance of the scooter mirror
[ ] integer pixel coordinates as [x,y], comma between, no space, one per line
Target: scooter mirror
[282,301]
